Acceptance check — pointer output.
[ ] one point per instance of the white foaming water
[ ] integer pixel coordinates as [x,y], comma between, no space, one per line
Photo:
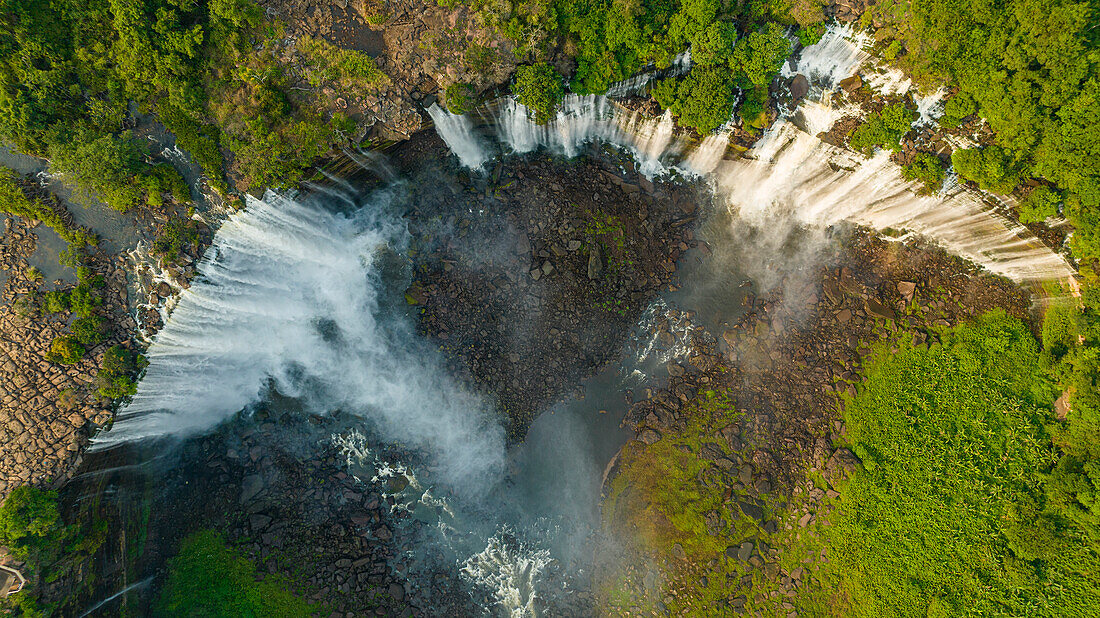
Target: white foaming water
[289,294]
[497,562]
[458,132]
[509,570]
[791,175]
[583,119]
[837,55]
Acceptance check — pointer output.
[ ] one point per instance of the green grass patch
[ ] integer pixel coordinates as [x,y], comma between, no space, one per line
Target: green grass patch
[949,515]
[209,578]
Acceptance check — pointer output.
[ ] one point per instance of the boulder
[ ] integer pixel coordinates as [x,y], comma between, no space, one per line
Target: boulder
[851,84]
[906,289]
[799,87]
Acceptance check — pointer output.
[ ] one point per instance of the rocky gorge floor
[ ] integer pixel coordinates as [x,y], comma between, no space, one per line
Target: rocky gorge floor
[531,278]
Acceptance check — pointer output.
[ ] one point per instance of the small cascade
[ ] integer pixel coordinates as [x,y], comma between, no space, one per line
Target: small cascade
[791,175]
[807,181]
[458,132]
[584,119]
[929,107]
[837,55]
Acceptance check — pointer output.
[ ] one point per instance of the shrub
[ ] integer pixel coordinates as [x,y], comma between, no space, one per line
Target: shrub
[992,168]
[116,377]
[84,300]
[347,68]
[29,519]
[460,98]
[66,350]
[811,34]
[882,129]
[1039,205]
[926,168]
[106,167]
[90,331]
[177,235]
[539,88]
[209,578]
[55,301]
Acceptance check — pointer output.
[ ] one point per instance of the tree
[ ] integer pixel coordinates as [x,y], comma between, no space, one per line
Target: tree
[1039,205]
[926,168]
[539,88]
[66,350]
[116,376]
[90,331]
[29,519]
[714,44]
[703,99]
[992,168]
[759,56]
[882,129]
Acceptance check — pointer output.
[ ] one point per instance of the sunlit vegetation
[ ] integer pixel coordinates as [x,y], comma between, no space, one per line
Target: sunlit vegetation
[460,98]
[117,377]
[1031,69]
[882,129]
[15,201]
[960,506]
[209,578]
[928,169]
[672,498]
[32,529]
[68,71]
[539,88]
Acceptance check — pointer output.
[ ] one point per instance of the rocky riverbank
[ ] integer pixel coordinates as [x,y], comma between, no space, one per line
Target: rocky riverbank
[48,410]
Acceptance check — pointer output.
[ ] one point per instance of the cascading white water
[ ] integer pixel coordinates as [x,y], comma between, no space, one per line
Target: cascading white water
[583,119]
[458,132]
[291,292]
[509,570]
[791,175]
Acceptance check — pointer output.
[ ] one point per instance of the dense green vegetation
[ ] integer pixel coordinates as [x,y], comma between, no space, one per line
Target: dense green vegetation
[1032,69]
[882,129]
[539,88]
[31,526]
[926,168]
[954,512]
[68,71]
[208,578]
[15,201]
[666,496]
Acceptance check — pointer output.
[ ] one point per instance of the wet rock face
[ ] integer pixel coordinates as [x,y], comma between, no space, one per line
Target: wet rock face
[530,279]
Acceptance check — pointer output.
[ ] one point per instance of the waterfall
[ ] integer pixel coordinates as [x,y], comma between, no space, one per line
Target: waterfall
[291,294]
[584,119]
[791,175]
[458,132]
